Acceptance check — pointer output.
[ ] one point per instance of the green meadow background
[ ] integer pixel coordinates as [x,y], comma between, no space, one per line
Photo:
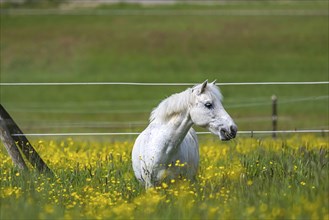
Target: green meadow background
[101,45]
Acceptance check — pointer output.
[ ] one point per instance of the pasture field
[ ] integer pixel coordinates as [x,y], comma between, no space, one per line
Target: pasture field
[284,178]
[160,48]
[248,178]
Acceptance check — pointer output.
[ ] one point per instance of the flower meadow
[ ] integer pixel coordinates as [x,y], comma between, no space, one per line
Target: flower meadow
[248,178]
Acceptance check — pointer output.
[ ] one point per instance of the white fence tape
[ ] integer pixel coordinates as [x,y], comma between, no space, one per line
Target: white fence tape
[137,133]
[157,84]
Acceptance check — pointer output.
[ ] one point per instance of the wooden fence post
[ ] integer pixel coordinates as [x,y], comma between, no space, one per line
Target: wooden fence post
[24,145]
[10,146]
[274,115]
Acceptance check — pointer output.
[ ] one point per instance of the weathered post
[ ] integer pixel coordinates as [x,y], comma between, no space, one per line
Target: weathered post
[24,145]
[274,115]
[10,146]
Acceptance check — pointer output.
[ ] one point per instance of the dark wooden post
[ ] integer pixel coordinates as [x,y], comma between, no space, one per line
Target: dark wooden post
[10,146]
[274,116]
[24,145]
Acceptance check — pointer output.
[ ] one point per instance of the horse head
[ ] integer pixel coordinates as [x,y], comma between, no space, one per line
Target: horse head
[206,110]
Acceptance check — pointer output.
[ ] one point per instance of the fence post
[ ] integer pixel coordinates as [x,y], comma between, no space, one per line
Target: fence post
[274,115]
[10,146]
[24,145]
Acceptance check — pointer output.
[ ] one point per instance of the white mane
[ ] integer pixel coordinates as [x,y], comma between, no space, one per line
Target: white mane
[179,102]
[172,105]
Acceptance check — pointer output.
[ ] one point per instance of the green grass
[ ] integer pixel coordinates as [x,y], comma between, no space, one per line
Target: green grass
[247,179]
[84,48]
[261,178]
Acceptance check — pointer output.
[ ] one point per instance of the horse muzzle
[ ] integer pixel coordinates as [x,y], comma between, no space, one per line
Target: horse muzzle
[226,134]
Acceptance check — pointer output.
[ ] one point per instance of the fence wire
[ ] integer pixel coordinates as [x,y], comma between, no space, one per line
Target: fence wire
[166,12]
[137,133]
[157,84]
[175,84]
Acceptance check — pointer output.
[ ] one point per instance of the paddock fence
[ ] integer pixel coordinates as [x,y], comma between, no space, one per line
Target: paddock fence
[152,84]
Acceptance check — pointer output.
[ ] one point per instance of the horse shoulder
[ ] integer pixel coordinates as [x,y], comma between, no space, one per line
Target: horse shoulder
[149,145]
[193,136]
[190,147]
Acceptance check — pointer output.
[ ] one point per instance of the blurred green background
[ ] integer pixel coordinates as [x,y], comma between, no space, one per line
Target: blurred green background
[245,41]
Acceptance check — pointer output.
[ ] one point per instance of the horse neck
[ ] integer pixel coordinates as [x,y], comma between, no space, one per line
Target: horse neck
[182,128]
[174,130]
[177,126]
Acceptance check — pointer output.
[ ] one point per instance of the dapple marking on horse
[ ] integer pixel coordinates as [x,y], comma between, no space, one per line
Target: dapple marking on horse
[169,138]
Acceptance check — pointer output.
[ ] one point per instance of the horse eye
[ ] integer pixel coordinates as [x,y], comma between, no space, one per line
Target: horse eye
[208,105]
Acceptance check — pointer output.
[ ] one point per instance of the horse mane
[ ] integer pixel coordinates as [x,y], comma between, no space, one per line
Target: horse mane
[178,102]
[172,105]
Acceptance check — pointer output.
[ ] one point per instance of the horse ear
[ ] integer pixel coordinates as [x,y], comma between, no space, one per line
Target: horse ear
[203,86]
[214,82]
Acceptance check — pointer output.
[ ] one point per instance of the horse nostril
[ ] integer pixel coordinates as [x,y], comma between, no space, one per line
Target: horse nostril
[234,130]
[223,131]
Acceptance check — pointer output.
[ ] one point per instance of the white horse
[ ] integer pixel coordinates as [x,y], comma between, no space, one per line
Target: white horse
[168,147]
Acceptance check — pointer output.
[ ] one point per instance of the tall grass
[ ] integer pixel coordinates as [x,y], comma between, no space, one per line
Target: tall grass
[247,179]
